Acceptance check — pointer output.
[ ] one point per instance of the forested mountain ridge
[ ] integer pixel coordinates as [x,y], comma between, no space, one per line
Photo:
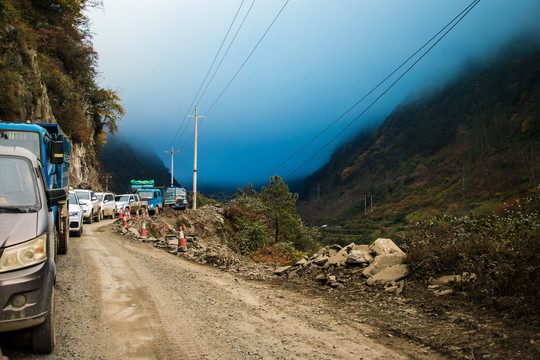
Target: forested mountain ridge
[124,163]
[470,146]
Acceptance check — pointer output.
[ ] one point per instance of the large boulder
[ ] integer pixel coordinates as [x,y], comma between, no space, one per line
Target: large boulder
[383,261]
[389,274]
[384,246]
[339,259]
[359,257]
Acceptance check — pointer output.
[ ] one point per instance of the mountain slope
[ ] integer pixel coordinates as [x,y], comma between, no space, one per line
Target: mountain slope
[470,146]
[125,163]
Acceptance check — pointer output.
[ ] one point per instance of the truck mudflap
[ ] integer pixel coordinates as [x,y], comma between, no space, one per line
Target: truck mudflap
[63,229]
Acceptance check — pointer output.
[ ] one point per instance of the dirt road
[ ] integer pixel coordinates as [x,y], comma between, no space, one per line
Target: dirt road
[122,299]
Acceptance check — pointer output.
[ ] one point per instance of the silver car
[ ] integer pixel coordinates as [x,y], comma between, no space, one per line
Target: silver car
[27,247]
[90,205]
[108,204]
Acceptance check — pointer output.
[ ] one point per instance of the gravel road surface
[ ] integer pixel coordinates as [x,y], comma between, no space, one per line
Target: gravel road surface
[122,299]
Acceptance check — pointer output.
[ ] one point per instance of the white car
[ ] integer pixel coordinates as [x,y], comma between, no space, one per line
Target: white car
[75,214]
[90,205]
[108,204]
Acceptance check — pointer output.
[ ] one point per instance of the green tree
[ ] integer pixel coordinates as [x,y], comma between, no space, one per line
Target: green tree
[280,205]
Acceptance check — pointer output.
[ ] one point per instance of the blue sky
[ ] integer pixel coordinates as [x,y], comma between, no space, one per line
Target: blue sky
[317,60]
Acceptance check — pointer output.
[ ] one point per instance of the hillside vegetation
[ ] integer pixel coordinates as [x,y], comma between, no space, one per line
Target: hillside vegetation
[48,64]
[472,146]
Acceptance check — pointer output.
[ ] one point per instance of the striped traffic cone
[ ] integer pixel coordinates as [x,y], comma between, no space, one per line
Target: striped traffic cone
[143,230]
[182,247]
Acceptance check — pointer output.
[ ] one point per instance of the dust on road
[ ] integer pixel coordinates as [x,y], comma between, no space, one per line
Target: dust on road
[122,299]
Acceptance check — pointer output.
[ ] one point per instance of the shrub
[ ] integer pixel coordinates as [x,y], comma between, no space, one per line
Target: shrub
[503,251]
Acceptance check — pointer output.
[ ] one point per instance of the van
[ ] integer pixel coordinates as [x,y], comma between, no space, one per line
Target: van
[27,247]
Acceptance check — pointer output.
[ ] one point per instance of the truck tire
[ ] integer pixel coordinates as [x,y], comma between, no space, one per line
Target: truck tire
[43,336]
[91,218]
[63,235]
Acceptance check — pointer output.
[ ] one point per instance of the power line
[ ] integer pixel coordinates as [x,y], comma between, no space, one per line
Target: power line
[468,9]
[227,51]
[208,72]
[367,94]
[248,57]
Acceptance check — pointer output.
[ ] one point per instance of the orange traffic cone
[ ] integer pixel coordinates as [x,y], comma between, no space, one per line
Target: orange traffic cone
[125,219]
[120,215]
[137,215]
[146,212]
[143,230]
[181,241]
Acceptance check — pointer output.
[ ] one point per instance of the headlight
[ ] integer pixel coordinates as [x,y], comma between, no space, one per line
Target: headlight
[30,253]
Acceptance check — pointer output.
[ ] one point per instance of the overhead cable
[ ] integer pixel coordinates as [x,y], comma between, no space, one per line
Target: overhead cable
[366,95]
[248,57]
[465,12]
[208,72]
[226,51]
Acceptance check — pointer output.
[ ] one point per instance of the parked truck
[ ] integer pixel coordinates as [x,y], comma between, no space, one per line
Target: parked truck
[159,197]
[53,150]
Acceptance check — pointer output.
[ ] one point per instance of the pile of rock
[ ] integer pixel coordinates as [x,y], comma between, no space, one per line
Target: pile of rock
[380,263]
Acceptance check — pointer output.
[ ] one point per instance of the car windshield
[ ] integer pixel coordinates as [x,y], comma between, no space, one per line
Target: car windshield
[146,195]
[83,195]
[18,188]
[122,198]
[73,198]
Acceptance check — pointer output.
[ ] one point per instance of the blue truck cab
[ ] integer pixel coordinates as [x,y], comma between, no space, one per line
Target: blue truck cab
[154,198]
[53,150]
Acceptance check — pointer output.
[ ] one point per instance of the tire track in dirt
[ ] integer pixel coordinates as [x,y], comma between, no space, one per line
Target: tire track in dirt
[135,328]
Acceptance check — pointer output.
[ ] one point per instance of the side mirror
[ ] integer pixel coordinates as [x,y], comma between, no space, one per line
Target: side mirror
[56,197]
[57,151]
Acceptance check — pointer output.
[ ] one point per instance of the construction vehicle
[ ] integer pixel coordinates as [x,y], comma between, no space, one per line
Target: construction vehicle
[53,150]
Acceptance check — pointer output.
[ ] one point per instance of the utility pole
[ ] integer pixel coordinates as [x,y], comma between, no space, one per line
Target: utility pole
[194,200]
[172,164]
[370,203]
[107,177]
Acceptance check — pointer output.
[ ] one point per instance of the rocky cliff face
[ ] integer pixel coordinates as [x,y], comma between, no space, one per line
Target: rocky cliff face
[23,97]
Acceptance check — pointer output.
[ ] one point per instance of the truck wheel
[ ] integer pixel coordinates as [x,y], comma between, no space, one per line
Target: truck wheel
[63,236]
[43,337]
[98,216]
[91,218]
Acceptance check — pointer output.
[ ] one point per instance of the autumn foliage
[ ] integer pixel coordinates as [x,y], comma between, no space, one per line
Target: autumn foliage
[53,37]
